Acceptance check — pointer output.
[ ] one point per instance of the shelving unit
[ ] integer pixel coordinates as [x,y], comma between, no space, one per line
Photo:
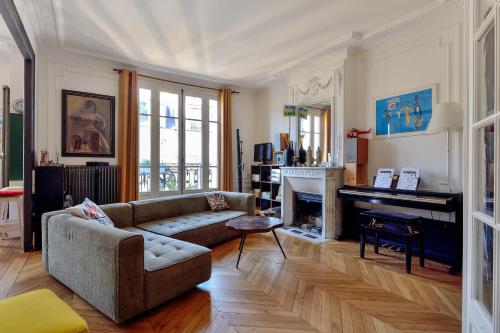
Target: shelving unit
[261,181]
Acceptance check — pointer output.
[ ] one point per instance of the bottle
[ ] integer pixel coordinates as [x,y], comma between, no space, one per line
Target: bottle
[289,154]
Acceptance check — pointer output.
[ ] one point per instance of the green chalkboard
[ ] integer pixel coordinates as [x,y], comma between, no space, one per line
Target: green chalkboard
[15,146]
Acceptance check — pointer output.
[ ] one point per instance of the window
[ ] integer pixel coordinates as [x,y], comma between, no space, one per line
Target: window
[311,130]
[178,141]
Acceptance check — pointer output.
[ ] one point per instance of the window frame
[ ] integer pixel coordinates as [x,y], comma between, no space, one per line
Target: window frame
[182,91]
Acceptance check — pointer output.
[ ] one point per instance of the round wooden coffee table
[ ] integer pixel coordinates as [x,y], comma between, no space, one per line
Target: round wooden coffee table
[252,225]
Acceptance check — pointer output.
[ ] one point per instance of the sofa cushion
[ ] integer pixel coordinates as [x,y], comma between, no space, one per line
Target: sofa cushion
[216,201]
[161,252]
[162,208]
[178,224]
[172,267]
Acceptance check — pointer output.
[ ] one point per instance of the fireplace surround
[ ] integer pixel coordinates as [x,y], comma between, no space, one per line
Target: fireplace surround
[318,183]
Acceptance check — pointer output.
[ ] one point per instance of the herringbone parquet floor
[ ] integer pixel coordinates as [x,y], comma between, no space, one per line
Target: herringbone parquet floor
[320,288]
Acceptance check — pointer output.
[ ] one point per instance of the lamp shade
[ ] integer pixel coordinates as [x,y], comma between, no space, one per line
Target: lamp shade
[446,115]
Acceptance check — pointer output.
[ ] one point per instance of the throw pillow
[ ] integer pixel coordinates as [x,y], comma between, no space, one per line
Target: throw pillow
[216,201]
[90,211]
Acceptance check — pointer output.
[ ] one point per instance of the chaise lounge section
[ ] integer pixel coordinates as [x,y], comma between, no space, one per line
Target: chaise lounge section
[156,251]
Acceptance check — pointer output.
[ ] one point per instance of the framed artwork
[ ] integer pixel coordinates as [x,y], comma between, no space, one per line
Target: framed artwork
[279,158]
[405,113]
[88,124]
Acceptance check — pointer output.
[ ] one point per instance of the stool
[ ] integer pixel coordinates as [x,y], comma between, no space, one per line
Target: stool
[39,311]
[7,196]
[393,225]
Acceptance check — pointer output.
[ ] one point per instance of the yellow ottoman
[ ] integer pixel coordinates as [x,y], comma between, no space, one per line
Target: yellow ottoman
[39,311]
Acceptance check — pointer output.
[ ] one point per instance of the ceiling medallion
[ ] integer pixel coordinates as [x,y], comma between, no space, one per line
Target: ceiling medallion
[314,85]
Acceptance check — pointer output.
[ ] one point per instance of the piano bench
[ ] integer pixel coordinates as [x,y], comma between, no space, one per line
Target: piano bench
[394,225]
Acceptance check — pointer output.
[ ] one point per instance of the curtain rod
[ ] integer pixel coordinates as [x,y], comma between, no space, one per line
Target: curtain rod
[170,81]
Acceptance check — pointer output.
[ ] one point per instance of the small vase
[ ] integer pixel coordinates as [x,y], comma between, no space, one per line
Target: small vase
[289,154]
[302,155]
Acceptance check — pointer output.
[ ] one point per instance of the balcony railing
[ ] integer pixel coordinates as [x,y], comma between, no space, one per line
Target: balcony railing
[169,177]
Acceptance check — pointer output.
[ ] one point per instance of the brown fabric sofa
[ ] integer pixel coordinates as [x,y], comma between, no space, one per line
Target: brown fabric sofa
[155,252]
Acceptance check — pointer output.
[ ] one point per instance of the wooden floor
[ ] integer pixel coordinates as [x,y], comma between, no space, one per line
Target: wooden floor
[320,288]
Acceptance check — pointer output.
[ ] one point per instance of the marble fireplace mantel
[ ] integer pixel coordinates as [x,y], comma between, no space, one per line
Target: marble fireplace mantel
[314,180]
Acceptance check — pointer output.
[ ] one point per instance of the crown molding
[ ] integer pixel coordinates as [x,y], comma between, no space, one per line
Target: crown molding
[356,42]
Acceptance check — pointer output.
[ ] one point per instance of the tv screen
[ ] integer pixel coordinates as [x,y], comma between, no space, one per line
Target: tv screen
[258,152]
[263,152]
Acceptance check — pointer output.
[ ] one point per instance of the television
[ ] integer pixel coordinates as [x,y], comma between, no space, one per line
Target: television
[263,152]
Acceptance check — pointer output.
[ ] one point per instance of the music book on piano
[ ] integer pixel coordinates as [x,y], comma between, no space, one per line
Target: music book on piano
[384,178]
[408,179]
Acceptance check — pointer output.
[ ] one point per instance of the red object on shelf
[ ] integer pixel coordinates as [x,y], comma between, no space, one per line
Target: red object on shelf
[355,133]
[10,193]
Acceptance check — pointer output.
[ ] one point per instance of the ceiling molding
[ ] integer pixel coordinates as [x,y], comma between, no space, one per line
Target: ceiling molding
[357,41]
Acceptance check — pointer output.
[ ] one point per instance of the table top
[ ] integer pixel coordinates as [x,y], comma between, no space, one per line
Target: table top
[254,224]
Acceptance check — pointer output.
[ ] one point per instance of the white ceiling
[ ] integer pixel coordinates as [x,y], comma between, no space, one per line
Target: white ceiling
[238,41]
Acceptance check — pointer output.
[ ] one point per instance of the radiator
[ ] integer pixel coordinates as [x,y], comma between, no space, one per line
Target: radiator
[98,183]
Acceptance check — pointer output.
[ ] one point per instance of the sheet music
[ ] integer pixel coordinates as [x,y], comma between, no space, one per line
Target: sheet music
[408,179]
[384,178]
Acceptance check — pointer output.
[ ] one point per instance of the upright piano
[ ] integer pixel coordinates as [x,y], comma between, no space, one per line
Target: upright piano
[443,239]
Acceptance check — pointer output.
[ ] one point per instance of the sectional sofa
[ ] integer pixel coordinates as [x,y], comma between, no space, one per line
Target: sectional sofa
[156,251]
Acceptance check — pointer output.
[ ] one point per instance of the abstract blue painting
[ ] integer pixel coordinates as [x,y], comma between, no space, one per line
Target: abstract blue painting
[405,113]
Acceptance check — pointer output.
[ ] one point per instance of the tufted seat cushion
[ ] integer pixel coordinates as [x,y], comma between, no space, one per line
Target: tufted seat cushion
[172,266]
[161,252]
[204,228]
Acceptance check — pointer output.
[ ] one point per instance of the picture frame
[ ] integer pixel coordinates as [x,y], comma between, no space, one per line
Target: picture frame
[404,113]
[88,124]
[279,158]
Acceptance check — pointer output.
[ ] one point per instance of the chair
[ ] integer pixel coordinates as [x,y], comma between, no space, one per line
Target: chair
[8,195]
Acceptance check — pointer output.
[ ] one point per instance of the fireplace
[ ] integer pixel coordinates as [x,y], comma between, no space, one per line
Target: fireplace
[308,215]
[310,208]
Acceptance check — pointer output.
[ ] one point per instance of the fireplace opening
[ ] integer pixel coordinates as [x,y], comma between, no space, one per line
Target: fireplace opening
[307,215]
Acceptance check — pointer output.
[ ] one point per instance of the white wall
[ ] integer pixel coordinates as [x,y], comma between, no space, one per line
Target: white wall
[433,55]
[269,121]
[69,71]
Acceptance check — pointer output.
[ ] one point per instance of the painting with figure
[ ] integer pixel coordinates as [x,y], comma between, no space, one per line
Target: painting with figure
[88,124]
[405,113]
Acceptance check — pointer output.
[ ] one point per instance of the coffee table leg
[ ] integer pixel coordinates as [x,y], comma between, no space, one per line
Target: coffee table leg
[242,243]
[277,240]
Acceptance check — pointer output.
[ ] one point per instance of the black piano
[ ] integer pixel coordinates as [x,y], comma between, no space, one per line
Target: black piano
[443,239]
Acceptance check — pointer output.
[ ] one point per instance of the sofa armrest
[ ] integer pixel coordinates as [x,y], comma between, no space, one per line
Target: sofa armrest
[102,264]
[244,202]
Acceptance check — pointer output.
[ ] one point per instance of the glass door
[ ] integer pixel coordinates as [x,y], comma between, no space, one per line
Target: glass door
[483,223]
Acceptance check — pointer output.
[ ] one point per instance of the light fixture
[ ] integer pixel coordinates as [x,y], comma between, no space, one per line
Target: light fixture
[445,117]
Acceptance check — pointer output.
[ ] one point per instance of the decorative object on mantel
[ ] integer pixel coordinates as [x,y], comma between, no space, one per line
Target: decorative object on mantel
[289,154]
[279,158]
[309,156]
[319,156]
[284,141]
[405,113]
[302,151]
[88,122]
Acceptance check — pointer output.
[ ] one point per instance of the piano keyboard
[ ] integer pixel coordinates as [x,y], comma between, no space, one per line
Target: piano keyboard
[405,197]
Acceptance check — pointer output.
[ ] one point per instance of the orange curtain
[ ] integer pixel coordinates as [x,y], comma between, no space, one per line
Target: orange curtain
[128,136]
[226,171]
